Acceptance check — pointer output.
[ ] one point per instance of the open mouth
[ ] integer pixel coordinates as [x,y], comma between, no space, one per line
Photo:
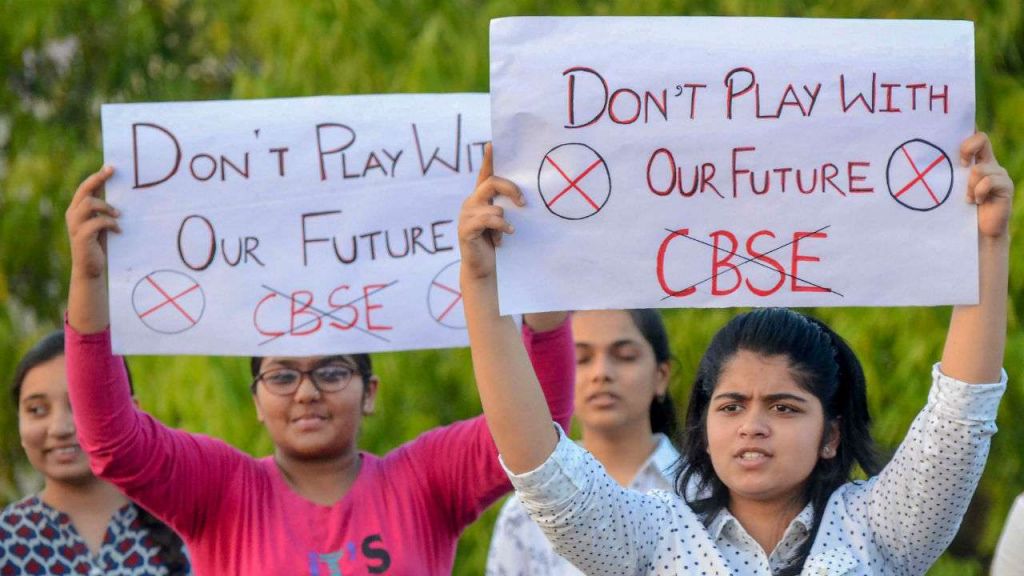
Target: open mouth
[602,398]
[64,452]
[752,456]
[309,420]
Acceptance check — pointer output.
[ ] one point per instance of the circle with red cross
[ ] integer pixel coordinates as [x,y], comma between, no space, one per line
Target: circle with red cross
[168,302]
[444,298]
[919,175]
[574,181]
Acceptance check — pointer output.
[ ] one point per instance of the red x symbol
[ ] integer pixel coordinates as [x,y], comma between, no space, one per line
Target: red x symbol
[554,182]
[458,296]
[172,300]
[920,175]
[573,183]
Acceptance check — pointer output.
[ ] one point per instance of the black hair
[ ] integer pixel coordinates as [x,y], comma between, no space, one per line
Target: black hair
[362,361]
[49,347]
[823,364]
[172,548]
[663,410]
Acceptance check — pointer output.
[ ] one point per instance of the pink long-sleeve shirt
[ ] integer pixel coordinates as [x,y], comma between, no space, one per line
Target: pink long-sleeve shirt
[402,515]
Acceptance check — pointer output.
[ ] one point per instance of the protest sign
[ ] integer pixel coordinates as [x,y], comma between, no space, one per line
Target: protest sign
[290,226]
[709,162]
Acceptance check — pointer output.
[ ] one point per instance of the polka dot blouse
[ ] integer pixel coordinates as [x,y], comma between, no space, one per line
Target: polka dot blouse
[898,522]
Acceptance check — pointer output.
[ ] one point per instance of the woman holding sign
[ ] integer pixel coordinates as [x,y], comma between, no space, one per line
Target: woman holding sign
[318,505]
[776,421]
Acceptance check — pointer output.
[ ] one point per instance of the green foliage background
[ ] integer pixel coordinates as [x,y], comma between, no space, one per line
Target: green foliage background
[60,61]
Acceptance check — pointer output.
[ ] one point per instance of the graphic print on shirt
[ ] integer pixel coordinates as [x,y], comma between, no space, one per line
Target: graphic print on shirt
[370,556]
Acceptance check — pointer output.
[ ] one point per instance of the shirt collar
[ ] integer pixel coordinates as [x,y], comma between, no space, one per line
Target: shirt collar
[803,520]
[724,518]
[720,521]
[664,458]
[661,463]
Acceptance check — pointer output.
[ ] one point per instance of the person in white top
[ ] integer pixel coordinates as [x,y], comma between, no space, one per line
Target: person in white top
[1009,558]
[622,402]
[773,415]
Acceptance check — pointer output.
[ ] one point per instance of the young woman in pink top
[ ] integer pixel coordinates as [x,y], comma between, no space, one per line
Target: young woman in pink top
[318,505]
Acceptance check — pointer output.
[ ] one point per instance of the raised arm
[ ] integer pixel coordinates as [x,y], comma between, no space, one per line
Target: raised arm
[89,219]
[171,473]
[977,334]
[943,455]
[516,412]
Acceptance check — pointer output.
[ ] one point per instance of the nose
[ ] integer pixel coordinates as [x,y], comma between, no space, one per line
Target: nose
[307,390]
[754,424]
[63,423]
[601,368]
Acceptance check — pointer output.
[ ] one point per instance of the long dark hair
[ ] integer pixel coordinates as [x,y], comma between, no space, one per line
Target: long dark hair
[824,365]
[663,410]
[172,549]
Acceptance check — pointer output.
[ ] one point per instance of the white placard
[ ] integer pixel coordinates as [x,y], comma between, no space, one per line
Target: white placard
[290,226]
[709,162]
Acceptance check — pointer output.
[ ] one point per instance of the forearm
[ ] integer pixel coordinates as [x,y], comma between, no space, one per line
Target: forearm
[584,513]
[977,334]
[88,311]
[517,413]
[940,460]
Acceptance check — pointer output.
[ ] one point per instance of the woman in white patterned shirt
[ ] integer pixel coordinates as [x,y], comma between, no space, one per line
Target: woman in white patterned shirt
[628,422]
[779,420]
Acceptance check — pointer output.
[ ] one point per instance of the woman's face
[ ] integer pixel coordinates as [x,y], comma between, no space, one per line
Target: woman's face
[311,424]
[617,376]
[46,427]
[765,432]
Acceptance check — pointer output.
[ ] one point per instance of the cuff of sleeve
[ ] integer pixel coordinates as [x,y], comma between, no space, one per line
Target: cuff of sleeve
[979,402]
[94,338]
[556,479]
[547,334]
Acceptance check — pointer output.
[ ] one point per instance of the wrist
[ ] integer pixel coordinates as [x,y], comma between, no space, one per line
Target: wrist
[88,274]
[1000,242]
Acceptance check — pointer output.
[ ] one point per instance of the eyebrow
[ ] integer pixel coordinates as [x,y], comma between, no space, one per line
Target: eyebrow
[767,398]
[32,397]
[292,363]
[616,344]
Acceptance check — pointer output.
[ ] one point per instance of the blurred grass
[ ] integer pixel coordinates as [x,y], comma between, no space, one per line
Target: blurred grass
[183,50]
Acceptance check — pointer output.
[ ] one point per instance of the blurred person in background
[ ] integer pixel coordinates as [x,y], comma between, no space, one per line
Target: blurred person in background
[628,422]
[1009,558]
[78,523]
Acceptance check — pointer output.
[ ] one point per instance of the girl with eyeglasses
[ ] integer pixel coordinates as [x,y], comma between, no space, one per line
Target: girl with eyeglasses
[777,420]
[318,505]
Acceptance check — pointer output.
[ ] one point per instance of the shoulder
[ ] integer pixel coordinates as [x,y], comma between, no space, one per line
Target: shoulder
[17,513]
[442,442]
[27,523]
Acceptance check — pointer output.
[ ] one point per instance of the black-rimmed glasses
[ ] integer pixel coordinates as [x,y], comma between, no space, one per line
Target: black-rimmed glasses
[326,378]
